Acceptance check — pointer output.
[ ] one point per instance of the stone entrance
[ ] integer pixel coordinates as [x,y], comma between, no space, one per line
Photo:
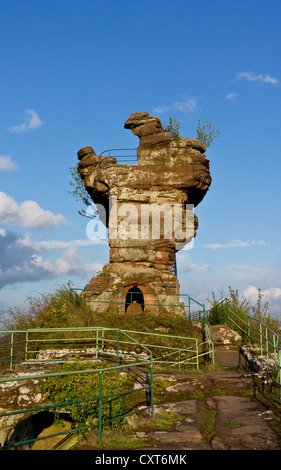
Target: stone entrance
[134,300]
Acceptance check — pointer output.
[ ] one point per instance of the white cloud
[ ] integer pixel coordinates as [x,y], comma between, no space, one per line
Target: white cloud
[31,122]
[161,109]
[246,269]
[272,295]
[55,244]
[22,261]
[186,104]
[231,96]
[58,244]
[69,263]
[234,244]
[257,77]
[27,214]
[196,268]
[243,273]
[6,163]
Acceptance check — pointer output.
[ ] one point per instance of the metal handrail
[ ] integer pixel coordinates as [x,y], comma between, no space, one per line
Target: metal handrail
[187,306]
[126,157]
[145,344]
[173,356]
[136,364]
[262,335]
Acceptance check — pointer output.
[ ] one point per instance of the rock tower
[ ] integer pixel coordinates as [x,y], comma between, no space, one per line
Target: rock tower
[170,175]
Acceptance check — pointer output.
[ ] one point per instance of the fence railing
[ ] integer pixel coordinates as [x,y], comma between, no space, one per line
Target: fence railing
[202,317]
[120,155]
[64,344]
[178,302]
[261,339]
[33,350]
[135,352]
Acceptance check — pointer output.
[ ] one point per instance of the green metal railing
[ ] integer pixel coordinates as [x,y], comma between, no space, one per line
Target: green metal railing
[133,351]
[33,345]
[202,317]
[141,368]
[120,157]
[261,339]
[182,301]
[177,303]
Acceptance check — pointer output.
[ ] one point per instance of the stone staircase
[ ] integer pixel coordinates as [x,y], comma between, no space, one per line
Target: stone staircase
[227,347]
[229,352]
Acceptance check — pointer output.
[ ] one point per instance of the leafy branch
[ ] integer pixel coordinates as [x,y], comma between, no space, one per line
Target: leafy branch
[206,133]
[80,193]
[173,127]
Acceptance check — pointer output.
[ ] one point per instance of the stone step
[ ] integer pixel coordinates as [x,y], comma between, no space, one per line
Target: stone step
[224,336]
[229,358]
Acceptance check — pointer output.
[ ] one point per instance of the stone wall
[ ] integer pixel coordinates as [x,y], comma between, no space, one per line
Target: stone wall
[19,395]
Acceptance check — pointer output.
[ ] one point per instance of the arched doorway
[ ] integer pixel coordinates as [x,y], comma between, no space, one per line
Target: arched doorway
[134,302]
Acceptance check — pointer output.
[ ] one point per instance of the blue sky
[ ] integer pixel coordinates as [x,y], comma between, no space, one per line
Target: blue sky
[73,71]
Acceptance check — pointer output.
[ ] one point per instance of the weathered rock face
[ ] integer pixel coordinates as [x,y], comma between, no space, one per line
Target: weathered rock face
[146,208]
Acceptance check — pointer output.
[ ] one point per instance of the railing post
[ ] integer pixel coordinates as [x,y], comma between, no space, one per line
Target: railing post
[249,334]
[12,350]
[197,354]
[26,345]
[102,340]
[261,338]
[279,371]
[266,340]
[117,352]
[151,389]
[97,344]
[100,406]
[227,319]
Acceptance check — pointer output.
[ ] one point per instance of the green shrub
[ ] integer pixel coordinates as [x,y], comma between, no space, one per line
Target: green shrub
[44,311]
[83,389]
[173,127]
[206,133]
[217,315]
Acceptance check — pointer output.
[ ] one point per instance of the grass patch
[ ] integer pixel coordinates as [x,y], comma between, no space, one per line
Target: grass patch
[208,426]
[164,421]
[113,440]
[128,438]
[232,425]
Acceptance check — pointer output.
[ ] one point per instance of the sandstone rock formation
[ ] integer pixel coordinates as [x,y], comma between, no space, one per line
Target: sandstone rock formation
[170,174]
